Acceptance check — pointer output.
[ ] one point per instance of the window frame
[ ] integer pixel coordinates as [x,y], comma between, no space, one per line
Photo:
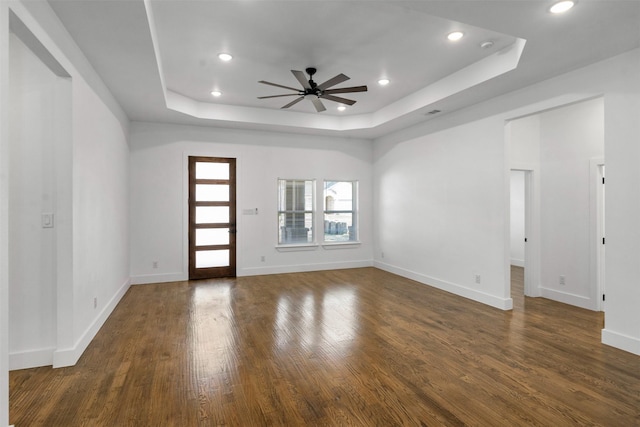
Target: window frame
[281,241]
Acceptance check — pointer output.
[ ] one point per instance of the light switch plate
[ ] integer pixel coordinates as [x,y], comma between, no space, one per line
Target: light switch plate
[47,220]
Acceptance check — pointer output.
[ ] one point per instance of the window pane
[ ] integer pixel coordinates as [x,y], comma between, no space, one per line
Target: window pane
[338,195]
[212,214]
[295,195]
[339,227]
[212,193]
[212,236]
[206,259]
[295,227]
[295,216]
[209,170]
[340,211]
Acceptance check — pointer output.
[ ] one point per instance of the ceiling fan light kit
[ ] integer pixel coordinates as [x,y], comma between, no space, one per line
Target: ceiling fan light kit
[316,92]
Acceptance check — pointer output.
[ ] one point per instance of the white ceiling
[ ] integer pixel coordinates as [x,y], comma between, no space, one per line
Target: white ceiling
[159,57]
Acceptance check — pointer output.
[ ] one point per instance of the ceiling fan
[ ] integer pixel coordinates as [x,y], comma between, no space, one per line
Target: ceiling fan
[315,92]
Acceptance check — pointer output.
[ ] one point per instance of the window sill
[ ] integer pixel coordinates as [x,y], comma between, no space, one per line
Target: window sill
[297,247]
[340,245]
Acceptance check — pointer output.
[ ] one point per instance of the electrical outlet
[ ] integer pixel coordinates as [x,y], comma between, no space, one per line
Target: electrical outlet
[155,264]
[562,281]
[381,254]
[263,258]
[95,302]
[478,278]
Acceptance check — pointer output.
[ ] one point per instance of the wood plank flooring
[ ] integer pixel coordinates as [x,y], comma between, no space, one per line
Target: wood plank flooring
[355,347]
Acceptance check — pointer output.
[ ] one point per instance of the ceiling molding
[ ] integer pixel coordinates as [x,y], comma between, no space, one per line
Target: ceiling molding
[485,69]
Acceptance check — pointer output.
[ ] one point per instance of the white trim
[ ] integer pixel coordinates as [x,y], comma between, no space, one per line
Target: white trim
[463,291]
[4,213]
[596,231]
[300,247]
[303,268]
[341,245]
[517,262]
[69,356]
[143,279]
[31,359]
[621,341]
[567,298]
[525,167]
[476,73]
[532,267]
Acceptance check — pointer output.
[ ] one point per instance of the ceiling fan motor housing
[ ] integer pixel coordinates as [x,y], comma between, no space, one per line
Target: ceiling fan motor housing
[311,71]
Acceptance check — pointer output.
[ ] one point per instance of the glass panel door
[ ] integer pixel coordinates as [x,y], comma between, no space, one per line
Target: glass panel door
[212,217]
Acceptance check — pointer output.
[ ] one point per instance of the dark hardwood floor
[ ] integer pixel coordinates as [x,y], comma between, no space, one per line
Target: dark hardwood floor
[349,347]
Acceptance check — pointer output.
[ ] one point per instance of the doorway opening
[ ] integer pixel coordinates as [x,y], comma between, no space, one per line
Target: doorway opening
[561,151]
[521,210]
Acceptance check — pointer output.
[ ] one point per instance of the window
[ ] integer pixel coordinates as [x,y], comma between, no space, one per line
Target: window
[295,211]
[340,219]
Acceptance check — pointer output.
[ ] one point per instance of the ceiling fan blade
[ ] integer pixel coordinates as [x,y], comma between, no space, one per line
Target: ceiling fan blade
[333,81]
[277,85]
[338,99]
[278,96]
[294,102]
[318,104]
[301,78]
[346,90]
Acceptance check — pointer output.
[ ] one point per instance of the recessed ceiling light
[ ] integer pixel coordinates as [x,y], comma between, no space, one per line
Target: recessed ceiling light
[342,108]
[562,6]
[487,45]
[383,82]
[455,36]
[216,93]
[225,57]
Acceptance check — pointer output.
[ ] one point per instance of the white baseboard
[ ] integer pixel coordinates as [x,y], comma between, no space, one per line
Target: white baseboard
[472,294]
[568,298]
[621,341]
[69,356]
[301,268]
[31,359]
[144,279]
[517,262]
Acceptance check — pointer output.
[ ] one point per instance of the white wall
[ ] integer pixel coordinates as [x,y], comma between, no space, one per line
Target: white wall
[471,143]
[32,289]
[440,210]
[569,138]
[100,217]
[159,196]
[622,134]
[88,194]
[517,218]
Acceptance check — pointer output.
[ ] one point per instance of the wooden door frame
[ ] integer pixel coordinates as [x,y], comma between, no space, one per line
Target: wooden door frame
[212,272]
